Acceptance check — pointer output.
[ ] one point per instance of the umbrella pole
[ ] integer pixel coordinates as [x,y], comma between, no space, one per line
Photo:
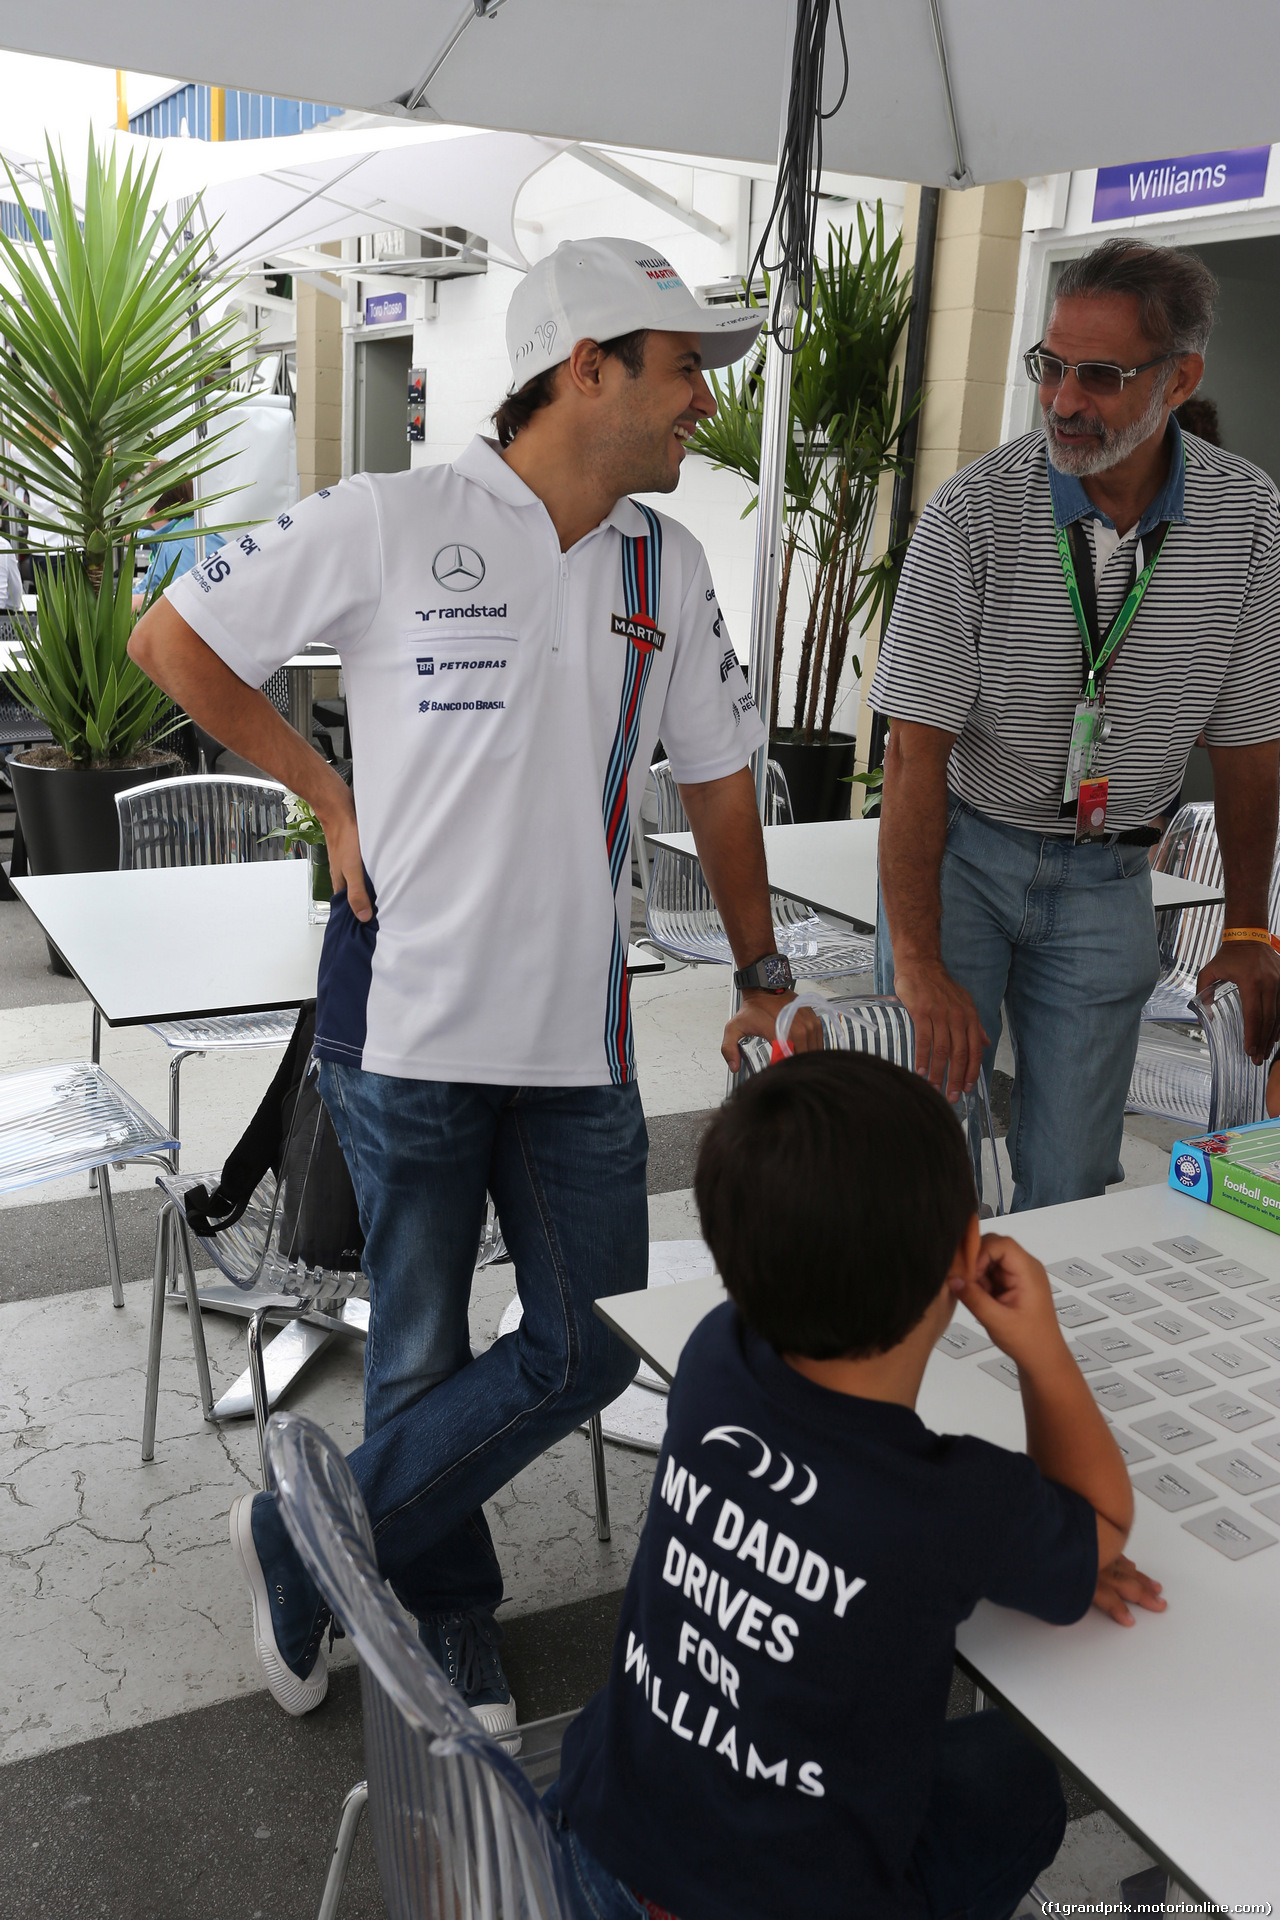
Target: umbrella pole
[775,427]
[770,516]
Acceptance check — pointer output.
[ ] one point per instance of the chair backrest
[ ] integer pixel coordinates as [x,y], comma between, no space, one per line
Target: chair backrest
[672,817]
[676,886]
[881,1025]
[1238,1087]
[457,1828]
[201,820]
[1190,935]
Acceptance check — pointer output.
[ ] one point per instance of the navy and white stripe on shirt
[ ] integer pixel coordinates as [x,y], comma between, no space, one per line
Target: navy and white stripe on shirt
[983,642]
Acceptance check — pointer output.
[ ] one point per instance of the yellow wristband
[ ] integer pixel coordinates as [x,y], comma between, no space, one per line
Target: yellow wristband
[1232,934]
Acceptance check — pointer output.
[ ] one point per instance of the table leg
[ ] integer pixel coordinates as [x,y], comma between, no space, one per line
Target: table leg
[296,1345]
[302,682]
[96,1057]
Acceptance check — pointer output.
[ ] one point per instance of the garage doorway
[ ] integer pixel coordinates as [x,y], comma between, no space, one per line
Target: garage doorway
[382,401]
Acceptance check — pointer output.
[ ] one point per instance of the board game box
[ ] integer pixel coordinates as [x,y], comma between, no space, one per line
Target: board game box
[1237,1170]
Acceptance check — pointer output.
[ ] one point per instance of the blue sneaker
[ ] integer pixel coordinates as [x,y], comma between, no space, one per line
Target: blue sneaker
[465,1648]
[289,1617]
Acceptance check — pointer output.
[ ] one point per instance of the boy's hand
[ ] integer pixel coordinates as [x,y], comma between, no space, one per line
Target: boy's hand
[1010,1298]
[1121,1582]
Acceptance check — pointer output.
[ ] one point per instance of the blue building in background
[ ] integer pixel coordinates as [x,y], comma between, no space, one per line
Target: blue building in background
[249,116]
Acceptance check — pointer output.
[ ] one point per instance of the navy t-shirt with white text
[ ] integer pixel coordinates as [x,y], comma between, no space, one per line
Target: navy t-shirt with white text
[765,1744]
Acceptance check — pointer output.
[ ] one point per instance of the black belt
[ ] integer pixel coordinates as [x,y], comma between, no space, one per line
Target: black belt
[1139,837]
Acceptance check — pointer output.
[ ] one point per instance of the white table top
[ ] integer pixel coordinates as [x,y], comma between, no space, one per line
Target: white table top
[317,658]
[1174,1722]
[172,943]
[831,866]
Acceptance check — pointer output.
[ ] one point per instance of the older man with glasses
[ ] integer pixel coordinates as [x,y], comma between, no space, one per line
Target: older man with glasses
[1076,608]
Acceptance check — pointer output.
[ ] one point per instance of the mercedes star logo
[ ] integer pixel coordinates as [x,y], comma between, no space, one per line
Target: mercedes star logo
[460,569]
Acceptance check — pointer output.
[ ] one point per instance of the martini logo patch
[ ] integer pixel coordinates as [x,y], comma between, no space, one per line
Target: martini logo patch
[640,632]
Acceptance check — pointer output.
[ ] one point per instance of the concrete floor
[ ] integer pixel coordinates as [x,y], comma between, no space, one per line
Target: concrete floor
[145,1772]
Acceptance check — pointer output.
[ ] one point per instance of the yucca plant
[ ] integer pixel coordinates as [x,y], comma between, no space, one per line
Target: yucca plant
[846,422]
[111,376]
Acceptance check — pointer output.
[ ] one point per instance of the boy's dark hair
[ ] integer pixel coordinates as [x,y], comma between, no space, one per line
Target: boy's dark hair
[520,405]
[833,1190]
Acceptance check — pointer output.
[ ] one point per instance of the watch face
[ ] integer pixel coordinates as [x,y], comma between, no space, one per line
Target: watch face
[776,969]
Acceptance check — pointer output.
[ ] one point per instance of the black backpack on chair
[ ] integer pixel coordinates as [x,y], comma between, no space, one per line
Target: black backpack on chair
[291,1136]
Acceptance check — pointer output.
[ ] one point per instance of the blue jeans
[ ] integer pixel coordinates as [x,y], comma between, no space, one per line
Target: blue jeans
[1065,936]
[995,1821]
[566,1168]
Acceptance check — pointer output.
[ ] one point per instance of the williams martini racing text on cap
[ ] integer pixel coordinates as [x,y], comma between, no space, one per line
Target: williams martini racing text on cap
[599,289]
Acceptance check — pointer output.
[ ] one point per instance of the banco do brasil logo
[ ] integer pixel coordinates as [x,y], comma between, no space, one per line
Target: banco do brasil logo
[458,569]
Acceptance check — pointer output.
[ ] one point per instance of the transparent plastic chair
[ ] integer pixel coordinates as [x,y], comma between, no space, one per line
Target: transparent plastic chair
[681,915]
[457,1827]
[881,1025]
[205,820]
[1188,936]
[1205,1079]
[255,1257]
[71,1119]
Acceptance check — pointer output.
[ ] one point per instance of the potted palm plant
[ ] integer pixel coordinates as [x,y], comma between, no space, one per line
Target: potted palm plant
[846,422]
[109,379]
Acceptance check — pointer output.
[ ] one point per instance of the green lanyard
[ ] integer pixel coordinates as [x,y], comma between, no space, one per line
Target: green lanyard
[1098,652]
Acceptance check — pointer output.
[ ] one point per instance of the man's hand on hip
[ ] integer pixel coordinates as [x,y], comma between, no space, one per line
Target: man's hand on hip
[1255,968]
[950,1038]
[758,1015]
[342,838]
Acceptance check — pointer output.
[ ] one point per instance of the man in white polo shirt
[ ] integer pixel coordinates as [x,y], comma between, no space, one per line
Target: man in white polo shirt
[515,634]
[1076,608]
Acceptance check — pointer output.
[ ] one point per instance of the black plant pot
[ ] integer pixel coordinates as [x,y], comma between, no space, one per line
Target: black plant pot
[68,815]
[817,774]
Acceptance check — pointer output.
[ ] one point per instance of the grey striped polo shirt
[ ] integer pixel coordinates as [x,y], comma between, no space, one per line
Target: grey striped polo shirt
[983,642]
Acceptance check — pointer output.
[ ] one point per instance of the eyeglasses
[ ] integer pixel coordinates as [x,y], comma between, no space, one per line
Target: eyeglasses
[1098,377]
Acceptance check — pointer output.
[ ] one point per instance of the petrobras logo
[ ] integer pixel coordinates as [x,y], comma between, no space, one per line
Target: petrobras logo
[1186,1170]
[640,632]
[660,270]
[427,666]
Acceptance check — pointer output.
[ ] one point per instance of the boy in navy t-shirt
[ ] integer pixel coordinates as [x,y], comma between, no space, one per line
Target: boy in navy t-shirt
[773,1738]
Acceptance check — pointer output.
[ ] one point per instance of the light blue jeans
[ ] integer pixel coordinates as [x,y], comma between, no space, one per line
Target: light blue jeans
[1065,938]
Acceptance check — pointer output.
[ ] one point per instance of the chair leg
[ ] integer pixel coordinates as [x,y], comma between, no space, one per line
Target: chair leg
[595,1434]
[158,1282]
[109,1229]
[179,1230]
[258,1387]
[352,1808]
[175,1070]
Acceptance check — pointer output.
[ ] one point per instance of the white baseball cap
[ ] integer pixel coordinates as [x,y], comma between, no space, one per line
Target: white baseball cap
[597,289]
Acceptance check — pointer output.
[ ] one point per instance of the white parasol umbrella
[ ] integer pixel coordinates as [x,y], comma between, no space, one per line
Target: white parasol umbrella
[946,92]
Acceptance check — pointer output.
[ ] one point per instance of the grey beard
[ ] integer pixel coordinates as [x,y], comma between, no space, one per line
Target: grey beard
[1112,445]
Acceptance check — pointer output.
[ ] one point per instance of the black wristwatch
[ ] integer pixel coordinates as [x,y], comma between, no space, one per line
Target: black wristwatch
[770,974]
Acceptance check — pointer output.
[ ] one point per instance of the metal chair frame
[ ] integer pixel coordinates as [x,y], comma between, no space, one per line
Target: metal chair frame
[99,1101]
[457,1825]
[235,841]
[880,1024]
[1205,1080]
[681,915]
[1189,936]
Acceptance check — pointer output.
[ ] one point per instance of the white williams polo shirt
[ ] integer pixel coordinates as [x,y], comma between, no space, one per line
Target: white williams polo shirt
[504,701]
